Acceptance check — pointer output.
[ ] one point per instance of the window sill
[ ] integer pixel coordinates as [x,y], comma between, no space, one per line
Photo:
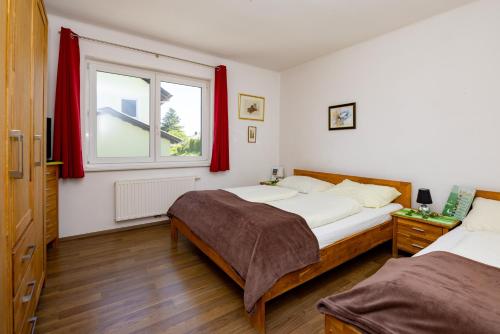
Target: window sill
[90,168]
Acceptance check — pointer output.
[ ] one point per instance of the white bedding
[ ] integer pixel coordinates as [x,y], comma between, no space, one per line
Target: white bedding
[479,246]
[367,218]
[320,208]
[331,217]
[263,193]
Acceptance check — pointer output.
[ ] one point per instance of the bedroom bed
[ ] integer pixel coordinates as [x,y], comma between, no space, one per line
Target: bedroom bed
[478,251]
[338,242]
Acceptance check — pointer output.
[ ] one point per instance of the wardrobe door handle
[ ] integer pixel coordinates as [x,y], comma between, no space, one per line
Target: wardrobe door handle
[29,253]
[39,139]
[418,246]
[27,298]
[32,321]
[18,136]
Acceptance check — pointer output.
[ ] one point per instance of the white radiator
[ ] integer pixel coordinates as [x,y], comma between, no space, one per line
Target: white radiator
[148,197]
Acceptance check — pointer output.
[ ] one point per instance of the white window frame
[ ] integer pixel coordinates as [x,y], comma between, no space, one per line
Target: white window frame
[155,160]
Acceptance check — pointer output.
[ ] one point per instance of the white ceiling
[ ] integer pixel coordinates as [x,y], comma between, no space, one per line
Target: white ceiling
[274,34]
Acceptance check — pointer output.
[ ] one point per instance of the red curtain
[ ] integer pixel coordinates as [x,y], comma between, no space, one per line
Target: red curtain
[220,149]
[67,136]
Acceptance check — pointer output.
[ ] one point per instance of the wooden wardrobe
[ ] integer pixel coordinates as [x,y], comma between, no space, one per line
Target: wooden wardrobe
[23,44]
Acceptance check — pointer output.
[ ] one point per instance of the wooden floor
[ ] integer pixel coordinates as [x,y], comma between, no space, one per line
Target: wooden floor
[133,282]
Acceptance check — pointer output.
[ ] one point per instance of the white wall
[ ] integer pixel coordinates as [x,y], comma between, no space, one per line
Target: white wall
[428,100]
[87,205]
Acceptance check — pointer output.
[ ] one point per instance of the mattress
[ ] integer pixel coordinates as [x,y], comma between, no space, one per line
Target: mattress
[262,193]
[367,218]
[479,246]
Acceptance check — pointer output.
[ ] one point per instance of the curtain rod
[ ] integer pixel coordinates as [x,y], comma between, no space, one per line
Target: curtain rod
[157,54]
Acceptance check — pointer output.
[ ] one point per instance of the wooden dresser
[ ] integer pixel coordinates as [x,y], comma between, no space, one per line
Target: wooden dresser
[23,49]
[51,202]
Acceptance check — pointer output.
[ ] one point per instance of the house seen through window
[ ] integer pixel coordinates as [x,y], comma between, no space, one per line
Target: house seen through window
[143,116]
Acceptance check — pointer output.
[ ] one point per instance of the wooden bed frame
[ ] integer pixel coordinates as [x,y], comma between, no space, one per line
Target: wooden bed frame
[337,326]
[330,256]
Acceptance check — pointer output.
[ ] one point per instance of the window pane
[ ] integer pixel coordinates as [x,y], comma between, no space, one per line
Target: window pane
[122,115]
[180,120]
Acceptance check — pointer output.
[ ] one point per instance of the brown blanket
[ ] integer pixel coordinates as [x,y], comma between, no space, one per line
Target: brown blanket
[434,293]
[260,242]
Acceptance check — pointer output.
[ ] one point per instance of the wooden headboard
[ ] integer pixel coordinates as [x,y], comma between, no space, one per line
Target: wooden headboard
[488,194]
[403,187]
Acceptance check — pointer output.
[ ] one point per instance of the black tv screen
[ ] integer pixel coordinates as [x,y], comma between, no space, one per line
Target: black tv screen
[49,138]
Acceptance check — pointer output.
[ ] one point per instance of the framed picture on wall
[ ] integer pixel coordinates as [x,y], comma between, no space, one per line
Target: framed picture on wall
[251,107]
[252,134]
[342,117]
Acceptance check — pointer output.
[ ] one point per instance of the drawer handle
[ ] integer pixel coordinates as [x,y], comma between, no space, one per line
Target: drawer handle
[418,229]
[418,246]
[29,253]
[32,321]
[27,298]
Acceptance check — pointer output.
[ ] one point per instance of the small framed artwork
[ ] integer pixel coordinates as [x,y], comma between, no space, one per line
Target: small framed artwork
[342,117]
[251,107]
[252,134]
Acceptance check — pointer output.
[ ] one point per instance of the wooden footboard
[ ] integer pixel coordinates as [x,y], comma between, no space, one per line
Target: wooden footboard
[336,326]
[330,257]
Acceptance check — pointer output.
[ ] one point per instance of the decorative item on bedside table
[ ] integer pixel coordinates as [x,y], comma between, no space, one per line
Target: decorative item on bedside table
[269,182]
[424,198]
[413,232]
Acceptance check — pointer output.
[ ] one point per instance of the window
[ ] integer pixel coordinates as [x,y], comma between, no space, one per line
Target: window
[138,116]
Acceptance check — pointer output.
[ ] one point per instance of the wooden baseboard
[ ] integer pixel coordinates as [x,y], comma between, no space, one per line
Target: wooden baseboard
[114,230]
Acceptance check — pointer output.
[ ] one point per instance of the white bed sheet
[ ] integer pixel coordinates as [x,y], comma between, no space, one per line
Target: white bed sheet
[319,208]
[479,246]
[263,193]
[367,218]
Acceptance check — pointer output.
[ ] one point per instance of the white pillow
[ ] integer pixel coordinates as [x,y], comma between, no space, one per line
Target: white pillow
[368,195]
[484,216]
[304,184]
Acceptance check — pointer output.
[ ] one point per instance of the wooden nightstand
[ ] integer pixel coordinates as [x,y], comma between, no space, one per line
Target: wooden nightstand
[413,233]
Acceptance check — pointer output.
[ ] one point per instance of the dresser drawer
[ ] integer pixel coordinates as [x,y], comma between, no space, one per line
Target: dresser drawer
[51,172]
[411,244]
[22,255]
[420,230]
[24,300]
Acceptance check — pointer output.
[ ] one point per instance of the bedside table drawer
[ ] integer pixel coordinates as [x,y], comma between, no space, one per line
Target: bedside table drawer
[411,244]
[419,230]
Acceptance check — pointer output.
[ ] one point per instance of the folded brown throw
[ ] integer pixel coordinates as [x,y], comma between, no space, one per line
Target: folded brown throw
[438,292]
[262,243]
